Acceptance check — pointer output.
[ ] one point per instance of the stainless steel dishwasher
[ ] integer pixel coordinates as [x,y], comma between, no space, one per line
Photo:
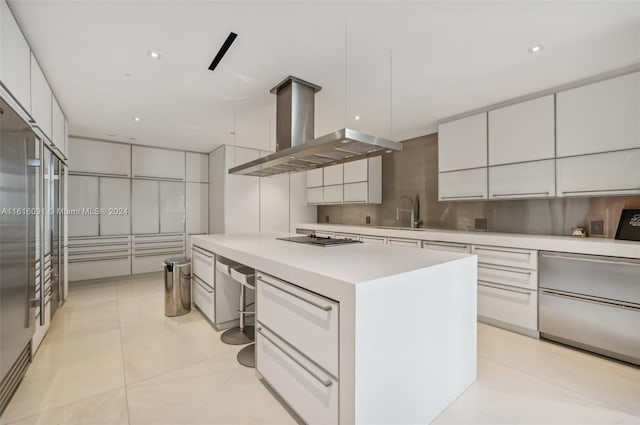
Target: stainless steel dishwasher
[591,302]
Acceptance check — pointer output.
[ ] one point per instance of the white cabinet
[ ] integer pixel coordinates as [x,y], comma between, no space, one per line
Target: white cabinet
[447,246]
[462,143]
[333,174]
[522,132]
[333,194]
[157,163]
[115,202]
[172,207]
[197,205]
[40,98]
[299,211]
[241,195]
[314,177]
[599,117]
[99,257]
[534,179]
[145,201]
[58,128]
[613,173]
[356,171]
[507,288]
[99,158]
[463,185]
[83,195]
[411,243]
[274,203]
[197,167]
[353,182]
[374,240]
[148,251]
[15,62]
[315,195]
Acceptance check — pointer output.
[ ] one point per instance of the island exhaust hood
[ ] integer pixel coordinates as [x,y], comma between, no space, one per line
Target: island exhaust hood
[296,147]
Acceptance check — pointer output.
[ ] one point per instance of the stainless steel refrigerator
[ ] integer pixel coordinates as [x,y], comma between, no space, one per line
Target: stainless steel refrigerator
[18,145]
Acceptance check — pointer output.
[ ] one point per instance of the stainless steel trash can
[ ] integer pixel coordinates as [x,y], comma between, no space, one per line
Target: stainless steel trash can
[177,286]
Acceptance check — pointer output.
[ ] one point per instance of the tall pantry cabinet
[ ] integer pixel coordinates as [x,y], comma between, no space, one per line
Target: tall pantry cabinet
[148,202]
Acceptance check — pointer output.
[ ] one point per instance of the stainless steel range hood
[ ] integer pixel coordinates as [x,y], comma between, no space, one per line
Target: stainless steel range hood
[297,150]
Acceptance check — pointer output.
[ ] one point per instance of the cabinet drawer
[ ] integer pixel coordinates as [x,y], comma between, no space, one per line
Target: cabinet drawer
[305,320]
[146,263]
[347,236]
[403,242]
[202,265]
[514,306]
[509,257]
[82,269]
[309,391]
[204,298]
[378,240]
[447,246]
[503,276]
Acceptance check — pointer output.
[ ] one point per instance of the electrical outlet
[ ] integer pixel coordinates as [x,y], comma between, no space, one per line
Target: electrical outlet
[368,220]
[326,218]
[481,224]
[596,228]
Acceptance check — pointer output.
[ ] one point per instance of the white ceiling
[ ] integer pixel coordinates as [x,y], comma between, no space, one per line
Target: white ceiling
[448,57]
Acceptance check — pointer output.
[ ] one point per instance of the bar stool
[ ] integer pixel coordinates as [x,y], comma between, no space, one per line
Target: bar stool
[242,334]
[246,277]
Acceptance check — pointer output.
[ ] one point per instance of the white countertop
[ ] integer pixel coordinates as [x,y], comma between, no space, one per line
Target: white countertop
[352,263]
[592,246]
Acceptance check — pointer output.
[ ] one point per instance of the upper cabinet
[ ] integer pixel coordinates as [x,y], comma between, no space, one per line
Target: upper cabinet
[522,132]
[599,117]
[352,182]
[462,143]
[197,167]
[15,60]
[99,158]
[158,163]
[41,100]
[58,128]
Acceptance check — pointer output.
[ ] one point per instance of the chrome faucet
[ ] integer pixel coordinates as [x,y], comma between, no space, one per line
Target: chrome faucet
[415,222]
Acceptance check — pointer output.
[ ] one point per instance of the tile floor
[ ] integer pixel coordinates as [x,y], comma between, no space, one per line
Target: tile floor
[111,357]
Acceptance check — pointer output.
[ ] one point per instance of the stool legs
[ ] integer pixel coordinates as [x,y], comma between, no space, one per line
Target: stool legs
[243,334]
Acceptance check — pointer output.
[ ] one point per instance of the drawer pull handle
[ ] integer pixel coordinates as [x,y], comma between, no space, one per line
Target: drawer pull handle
[497,285]
[325,382]
[600,190]
[594,300]
[592,260]
[170,179]
[503,251]
[202,252]
[463,197]
[498,195]
[87,260]
[449,245]
[316,305]
[202,284]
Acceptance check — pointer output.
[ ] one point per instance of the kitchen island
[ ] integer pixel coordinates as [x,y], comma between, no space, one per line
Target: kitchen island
[359,333]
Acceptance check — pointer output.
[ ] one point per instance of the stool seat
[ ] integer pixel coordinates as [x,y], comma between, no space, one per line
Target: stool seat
[224,265]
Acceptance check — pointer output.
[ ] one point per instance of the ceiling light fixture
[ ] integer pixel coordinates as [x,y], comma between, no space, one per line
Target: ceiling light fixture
[536,49]
[154,54]
[357,117]
[137,119]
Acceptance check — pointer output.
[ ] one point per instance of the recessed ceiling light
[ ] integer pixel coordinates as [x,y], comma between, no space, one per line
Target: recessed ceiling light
[232,132]
[388,151]
[154,54]
[112,135]
[536,49]
[137,119]
[126,74]
[132,138]
[357,117]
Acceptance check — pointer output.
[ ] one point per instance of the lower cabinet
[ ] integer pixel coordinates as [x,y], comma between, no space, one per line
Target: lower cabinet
[447,246]
[377,240]
[508,305]
[297,347]
[413,243]
[149,251]
[203,297]
[99,257]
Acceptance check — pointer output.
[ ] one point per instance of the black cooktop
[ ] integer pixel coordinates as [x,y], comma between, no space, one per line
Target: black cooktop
[319,240]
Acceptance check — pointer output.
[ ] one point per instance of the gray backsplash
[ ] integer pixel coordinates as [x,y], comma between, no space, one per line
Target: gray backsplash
[415,171]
